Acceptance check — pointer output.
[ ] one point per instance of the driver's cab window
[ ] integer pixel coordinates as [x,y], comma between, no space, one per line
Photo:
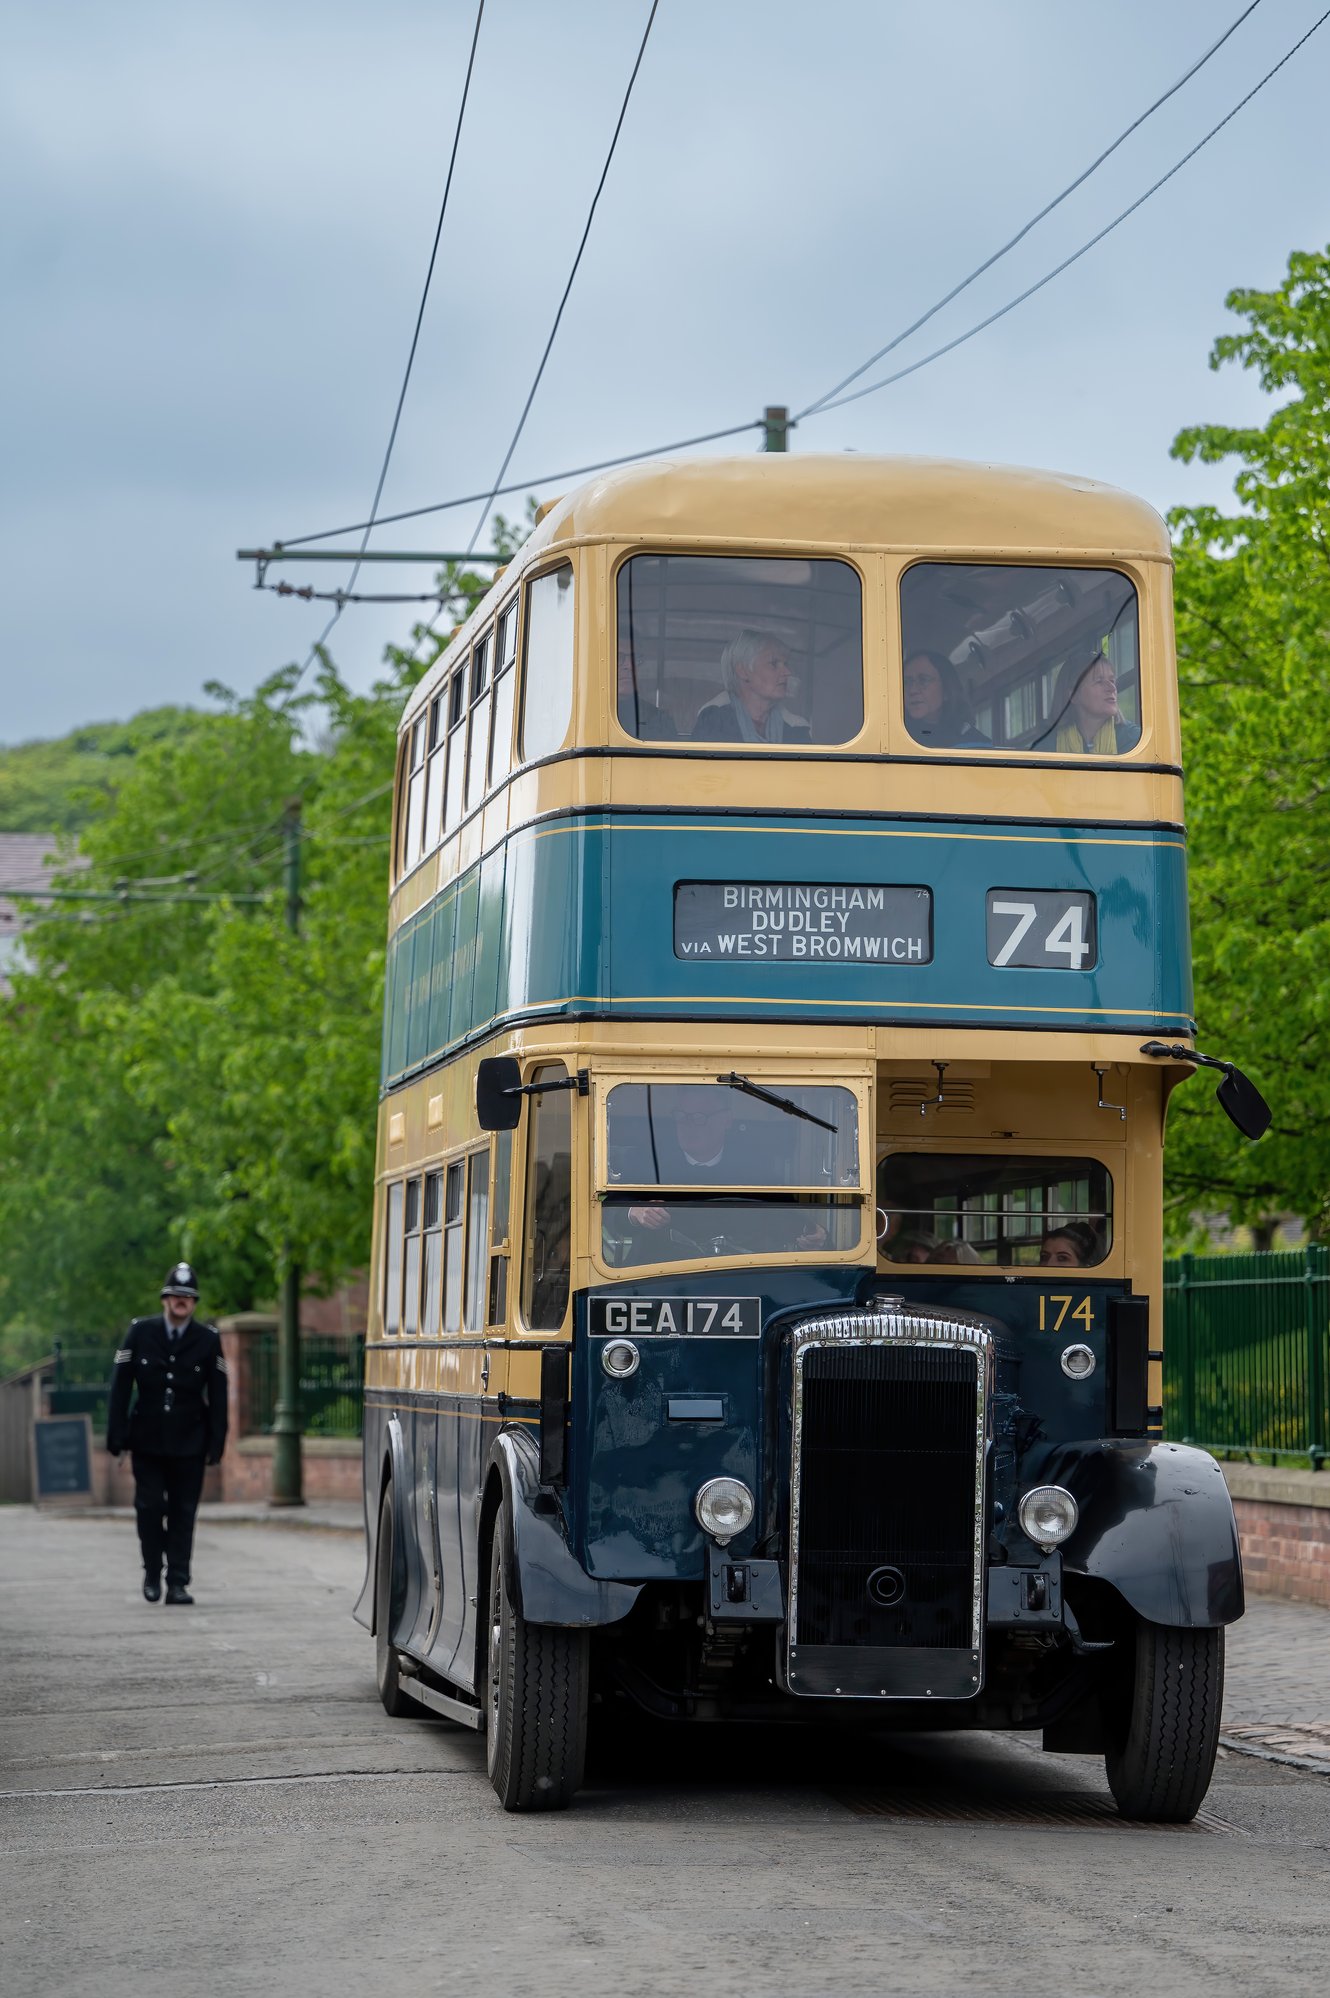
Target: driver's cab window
[708,1171]
[546,1253]
[991,1208]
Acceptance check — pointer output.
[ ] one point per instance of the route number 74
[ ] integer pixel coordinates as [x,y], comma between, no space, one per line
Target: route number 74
[1041,929]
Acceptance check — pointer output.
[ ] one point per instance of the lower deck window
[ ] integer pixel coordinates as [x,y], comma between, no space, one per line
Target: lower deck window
[934,1207]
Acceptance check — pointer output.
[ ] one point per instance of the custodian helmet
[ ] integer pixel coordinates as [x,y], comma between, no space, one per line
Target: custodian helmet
[180,1282]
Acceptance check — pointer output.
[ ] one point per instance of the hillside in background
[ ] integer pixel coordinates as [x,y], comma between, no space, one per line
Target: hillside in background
[56,785]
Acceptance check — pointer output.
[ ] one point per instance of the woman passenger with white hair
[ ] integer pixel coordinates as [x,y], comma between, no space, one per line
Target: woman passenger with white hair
[758,680]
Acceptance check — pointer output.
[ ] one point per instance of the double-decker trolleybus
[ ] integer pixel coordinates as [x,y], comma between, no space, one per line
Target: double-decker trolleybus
[788,970]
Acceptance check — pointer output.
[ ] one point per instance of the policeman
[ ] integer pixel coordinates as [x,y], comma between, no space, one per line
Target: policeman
[168,1405]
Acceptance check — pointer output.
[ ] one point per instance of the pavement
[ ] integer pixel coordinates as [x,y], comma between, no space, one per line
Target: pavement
[212,1801]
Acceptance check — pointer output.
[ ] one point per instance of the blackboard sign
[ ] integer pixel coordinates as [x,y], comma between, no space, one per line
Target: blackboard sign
[61,1458]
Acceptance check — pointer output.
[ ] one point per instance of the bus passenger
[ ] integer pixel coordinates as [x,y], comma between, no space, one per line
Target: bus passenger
[757,678]
[1073,1246]
[1086,719]
[637,715]
[915,1247]
[936,710]
[957,1252]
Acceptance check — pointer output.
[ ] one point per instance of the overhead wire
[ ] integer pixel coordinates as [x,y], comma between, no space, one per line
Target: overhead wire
[812,408]
[369,525]
[567,290]
[525,485]
[501,490]
[855,395]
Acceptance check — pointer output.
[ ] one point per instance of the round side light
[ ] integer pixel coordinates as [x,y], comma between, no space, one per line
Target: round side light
[1047,1515]
[724,1507]
[620,1358]
[1078,1363]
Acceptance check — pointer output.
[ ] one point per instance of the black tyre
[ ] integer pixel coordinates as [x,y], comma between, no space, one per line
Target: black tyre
[398,1705]
[535,1699]
[1159,1768]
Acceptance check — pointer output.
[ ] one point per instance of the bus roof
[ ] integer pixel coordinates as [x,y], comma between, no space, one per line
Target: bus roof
[829,502]
[851,501]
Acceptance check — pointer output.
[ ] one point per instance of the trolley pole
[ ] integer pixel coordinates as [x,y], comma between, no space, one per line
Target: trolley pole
[776,427]
[287,1469]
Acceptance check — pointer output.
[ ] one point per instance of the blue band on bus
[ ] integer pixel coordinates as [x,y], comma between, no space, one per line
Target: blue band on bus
[575,917]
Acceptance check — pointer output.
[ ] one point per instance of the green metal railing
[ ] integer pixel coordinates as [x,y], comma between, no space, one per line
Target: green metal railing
[332,1384]
[82,1383]
[1247,1354]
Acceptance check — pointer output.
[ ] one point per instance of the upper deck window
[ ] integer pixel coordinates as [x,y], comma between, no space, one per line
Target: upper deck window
[744,649]
[1031,660]
[547,688]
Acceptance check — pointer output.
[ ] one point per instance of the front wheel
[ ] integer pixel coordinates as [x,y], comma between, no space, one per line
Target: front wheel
[536,1698]
[1160,1766]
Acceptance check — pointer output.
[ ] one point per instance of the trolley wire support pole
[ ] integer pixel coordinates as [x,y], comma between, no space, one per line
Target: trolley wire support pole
[287,1467]
[776,427]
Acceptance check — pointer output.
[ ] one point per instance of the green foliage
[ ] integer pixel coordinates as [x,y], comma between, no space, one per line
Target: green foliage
[1253,599]
[186,1075]
[60,786]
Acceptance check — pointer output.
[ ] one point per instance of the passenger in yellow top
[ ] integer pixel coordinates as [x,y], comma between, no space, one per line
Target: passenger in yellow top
[1086,719]
[758,681]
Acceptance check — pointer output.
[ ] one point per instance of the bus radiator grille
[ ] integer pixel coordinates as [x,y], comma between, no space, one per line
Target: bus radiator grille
[887,1475]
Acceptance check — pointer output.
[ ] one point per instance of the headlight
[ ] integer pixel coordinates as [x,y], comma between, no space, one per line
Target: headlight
[1047,1515]
[724,1507]
[620,1358]
[1078,1363]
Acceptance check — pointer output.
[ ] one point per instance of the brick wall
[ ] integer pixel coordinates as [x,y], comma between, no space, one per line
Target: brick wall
[1284,1524]
[331,1469]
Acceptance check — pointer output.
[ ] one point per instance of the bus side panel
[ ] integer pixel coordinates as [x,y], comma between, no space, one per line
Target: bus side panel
[454,1441]
[473,1433]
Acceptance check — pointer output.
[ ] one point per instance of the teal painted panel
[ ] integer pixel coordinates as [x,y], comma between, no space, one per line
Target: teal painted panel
[461,1018]
[489,933]
[417,1005]
[576,918]
[441,971]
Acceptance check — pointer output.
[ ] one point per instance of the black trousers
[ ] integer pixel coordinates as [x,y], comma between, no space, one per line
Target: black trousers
[166,1498]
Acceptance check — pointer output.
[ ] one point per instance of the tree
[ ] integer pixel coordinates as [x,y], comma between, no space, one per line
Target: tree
[184,1075]
[1253,595]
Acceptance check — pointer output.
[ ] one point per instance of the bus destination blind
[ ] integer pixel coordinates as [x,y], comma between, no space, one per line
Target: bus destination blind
[804,922]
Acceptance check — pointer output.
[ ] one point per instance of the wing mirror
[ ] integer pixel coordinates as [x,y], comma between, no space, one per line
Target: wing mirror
[499,1093]
[1239,1098]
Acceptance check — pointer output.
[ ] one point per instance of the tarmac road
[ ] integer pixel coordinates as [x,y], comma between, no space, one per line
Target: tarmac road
[213,1801]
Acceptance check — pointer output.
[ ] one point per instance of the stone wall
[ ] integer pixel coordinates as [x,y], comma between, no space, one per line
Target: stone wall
[1284,1524]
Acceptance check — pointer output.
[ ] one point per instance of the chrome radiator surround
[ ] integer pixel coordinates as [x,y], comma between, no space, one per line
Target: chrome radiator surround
[845,1671]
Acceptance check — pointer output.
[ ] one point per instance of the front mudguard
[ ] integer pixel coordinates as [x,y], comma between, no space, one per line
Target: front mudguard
[549,1583]
[1156,1523]
[391,1454]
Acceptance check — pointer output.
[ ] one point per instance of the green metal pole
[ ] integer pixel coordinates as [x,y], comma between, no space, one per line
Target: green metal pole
[1316,1277]
[776,427]
[287,1469]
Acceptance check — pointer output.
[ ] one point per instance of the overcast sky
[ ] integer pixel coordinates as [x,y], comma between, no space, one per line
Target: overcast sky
[218,218]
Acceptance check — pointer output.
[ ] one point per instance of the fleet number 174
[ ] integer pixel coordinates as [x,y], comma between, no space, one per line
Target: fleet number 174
[1055,1310]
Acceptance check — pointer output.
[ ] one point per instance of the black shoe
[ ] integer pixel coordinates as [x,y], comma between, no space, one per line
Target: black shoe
[152,1589]
[176,1592]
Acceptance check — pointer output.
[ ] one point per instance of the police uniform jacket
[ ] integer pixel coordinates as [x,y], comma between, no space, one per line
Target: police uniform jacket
[168,1396]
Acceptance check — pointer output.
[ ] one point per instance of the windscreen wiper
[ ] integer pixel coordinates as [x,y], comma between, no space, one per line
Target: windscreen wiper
[733,1081]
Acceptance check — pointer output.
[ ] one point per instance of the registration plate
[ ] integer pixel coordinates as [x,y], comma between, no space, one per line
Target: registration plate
[675,1317]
